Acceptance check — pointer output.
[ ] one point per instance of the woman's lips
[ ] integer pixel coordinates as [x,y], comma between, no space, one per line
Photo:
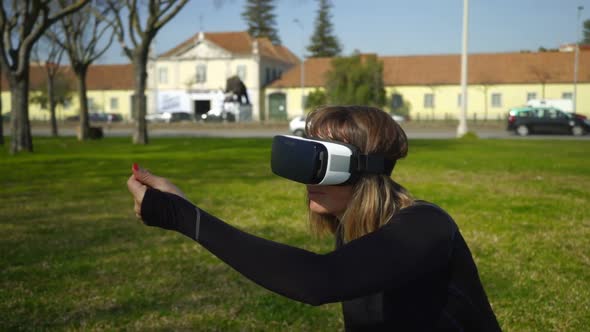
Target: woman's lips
[314,192]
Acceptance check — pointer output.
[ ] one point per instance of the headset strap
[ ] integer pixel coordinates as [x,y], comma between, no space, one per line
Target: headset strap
[374,164]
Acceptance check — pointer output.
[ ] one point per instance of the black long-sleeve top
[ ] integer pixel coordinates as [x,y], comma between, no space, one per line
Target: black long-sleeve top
[415,273]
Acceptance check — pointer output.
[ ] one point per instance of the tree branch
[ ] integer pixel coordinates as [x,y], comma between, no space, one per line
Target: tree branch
[133,22]
[117,23]
[168,17]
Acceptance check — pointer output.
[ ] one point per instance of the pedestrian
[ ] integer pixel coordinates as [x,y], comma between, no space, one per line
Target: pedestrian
[399,264]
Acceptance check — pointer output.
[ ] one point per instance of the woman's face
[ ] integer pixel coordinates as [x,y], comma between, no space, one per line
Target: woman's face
[331,200]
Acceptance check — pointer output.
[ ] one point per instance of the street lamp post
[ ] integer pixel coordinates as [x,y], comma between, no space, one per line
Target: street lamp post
[302,66]
[576,59]
[462,128]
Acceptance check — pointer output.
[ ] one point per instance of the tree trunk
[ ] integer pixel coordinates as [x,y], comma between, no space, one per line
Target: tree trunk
[20,125]
[485,100]
[1,119]
[50,94]
[84,128]
[140,136]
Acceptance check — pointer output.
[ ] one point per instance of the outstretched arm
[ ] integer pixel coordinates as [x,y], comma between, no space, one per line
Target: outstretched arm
[416,242]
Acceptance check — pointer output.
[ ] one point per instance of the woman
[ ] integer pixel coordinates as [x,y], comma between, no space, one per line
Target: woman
[399,264]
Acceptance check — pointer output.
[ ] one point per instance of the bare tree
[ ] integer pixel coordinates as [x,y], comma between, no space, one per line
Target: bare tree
[1,118]
[139,35]
[22,23]
[542,75]
[83,37]
[51,62]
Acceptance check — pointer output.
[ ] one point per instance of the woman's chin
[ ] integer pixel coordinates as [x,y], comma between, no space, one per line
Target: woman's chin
[317,208]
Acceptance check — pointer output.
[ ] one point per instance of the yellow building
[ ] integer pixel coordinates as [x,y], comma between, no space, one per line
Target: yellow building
[191,77]
[429,86]
[109,90]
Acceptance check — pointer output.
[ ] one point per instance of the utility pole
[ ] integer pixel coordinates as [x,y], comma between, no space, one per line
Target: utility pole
[462,128]
[576,60]
[302,71]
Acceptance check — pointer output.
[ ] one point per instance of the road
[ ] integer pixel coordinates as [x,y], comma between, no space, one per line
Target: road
[414,131]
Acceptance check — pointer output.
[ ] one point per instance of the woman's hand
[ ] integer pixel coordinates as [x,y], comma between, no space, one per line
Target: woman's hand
[141,180]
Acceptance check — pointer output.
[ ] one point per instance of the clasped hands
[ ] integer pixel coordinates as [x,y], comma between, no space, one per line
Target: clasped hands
[139,182]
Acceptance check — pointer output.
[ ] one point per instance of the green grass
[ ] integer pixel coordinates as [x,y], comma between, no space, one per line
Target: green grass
[75,258]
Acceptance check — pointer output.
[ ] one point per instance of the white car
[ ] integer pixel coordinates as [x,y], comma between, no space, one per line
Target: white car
[297,126]
[398,118]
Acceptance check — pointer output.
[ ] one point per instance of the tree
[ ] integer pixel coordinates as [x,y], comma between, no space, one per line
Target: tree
[542,75]
[315,99]
[59,94]
[140,36]
[260,18]
[586,35]
[400,106]
[22,23]
[50,61]
[1,117]
[356,80]
[323,41]
[86,36]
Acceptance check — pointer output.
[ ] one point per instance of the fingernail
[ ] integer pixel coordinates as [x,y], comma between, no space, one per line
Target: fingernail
[135,167]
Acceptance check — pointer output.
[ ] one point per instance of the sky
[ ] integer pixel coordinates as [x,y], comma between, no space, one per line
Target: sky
[393,27]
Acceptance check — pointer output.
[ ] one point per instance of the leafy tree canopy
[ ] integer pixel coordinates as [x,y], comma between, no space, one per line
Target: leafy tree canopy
[356,80]
[586,37]
[323,41]
[260,17]
[62,92]
[315,99]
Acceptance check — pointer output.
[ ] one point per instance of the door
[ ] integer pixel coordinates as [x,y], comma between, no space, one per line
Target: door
[201,107]
[277,106]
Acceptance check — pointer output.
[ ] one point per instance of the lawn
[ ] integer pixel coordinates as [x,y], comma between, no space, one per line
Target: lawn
[74,257]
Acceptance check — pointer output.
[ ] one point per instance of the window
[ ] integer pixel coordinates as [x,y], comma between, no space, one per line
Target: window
[268,73]
[531,96]
[241,72]
[567,95]
[397,101]
[496,100]
[201,73]
[428,100]
[114,103]
[163,75]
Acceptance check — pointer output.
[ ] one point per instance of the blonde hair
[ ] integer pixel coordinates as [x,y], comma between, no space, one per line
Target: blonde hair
[376,197]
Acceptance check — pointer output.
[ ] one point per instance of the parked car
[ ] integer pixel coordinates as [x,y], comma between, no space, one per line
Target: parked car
[92,117]
[297,126]
[169,117]
[114,117]
[548,120]
[400,118]
[218,116]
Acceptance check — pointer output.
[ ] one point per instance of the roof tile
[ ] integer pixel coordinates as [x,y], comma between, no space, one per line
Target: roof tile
[495,68]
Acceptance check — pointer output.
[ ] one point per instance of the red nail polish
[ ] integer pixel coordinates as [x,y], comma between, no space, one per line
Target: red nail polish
[135,167]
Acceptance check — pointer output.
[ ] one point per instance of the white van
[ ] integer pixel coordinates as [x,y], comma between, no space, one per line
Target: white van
[566,105]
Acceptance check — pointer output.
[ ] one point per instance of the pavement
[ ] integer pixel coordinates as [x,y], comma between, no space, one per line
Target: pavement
[413,131]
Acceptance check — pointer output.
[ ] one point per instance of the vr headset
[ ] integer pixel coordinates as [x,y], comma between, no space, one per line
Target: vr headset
[320,162]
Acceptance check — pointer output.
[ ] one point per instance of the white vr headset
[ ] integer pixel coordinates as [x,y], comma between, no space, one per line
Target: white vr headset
[319,162]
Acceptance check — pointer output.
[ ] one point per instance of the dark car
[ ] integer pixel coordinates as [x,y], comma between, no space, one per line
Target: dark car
[546,120]
[114,117]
